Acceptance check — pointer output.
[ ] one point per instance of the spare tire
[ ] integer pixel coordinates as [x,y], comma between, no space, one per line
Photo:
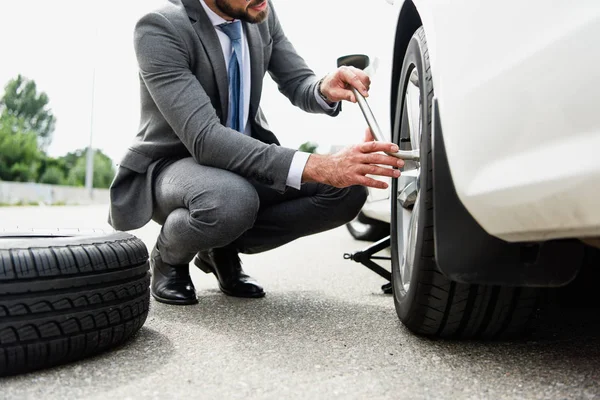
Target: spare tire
[63,298]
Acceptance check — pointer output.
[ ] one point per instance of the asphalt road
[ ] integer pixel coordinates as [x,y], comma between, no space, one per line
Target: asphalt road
[324,330]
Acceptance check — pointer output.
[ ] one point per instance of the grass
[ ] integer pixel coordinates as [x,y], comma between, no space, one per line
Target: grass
[32,203]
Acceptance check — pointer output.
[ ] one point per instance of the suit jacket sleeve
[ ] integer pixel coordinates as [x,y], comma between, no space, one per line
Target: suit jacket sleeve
[165,68]
[293,77]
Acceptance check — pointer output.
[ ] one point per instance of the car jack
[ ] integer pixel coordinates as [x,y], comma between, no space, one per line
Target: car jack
[366,257]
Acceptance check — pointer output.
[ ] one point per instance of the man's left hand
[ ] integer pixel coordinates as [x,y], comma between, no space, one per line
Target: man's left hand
[337,85]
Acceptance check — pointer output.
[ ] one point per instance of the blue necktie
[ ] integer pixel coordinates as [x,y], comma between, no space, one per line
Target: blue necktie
[234,73]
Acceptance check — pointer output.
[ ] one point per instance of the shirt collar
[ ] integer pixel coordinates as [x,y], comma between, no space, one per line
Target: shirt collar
[213,16]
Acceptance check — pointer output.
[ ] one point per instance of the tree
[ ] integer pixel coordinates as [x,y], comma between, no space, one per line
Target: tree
[53,175]
[52,171]
[19,153]
[21,100]
[69,160]
[104,170]
[308,147]
[26,127]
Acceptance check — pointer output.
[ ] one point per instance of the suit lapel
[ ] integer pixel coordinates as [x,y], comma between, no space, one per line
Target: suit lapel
[208,36]
[255,45]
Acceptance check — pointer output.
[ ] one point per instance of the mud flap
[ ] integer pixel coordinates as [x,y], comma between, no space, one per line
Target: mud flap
[466,253]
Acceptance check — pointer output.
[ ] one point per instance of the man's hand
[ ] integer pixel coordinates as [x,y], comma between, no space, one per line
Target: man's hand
[337,85]
[351,165]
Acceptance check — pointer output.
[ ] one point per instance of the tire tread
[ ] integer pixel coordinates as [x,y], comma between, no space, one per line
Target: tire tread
[66,319]
[448,309]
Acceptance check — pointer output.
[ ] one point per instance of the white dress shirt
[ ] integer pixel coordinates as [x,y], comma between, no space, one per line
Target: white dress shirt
[294,178]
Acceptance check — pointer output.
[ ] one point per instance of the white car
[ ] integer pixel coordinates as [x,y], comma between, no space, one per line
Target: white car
[502,99]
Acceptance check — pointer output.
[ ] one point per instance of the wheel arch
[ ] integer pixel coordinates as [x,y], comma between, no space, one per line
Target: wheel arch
[483,259]
[409,20]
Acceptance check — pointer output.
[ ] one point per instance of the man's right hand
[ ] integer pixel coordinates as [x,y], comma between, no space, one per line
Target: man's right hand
[351,165]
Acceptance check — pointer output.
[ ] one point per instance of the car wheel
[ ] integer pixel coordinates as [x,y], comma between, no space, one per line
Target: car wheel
[426,301]
[367,229]
[63,298]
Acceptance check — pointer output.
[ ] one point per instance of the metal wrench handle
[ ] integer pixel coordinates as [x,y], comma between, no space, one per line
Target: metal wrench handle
[411,155]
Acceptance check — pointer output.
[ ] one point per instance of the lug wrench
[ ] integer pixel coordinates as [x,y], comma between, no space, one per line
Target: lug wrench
[410,155]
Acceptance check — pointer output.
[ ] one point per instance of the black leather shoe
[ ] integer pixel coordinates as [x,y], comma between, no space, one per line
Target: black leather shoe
[171,284]
[227,267]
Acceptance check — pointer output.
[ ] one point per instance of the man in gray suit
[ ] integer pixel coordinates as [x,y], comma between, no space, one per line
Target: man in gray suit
[204,163]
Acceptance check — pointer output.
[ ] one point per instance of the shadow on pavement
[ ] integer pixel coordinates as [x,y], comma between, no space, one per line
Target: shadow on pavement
[563,342]
[146,352]
[307,327]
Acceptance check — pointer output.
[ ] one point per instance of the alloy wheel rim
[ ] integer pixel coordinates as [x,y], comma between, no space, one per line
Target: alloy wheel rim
[408,196]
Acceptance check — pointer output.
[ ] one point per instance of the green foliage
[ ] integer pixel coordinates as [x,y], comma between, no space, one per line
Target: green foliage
[23,173]
[22,101]
[26,127]
[309,147]
[25,204]
[53,175]
[104,170]
[49,163]
[76,175]
[69,160]
[19,153]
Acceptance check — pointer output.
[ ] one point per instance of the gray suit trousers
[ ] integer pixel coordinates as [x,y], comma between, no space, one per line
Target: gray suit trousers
[201,207]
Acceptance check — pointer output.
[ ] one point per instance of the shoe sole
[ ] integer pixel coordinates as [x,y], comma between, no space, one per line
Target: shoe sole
[207,269]
[174,302]
[244,296]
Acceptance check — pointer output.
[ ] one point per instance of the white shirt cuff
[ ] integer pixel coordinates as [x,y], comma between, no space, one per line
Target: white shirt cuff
[299,161]
[322,102]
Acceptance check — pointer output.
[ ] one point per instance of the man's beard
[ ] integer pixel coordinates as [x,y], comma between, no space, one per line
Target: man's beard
[242,15]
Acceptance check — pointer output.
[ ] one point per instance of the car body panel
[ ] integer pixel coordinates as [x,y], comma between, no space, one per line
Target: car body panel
[518,87]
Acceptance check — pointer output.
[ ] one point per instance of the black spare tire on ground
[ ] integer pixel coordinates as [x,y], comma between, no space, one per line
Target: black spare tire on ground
[63,298]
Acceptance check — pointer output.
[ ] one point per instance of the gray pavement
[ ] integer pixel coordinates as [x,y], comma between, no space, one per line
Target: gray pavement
[324,330]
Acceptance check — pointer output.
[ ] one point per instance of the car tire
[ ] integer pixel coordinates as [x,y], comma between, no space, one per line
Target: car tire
[63,298]
[367,229]
[426,301]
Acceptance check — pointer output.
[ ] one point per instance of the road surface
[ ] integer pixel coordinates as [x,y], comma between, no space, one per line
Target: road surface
[324,330]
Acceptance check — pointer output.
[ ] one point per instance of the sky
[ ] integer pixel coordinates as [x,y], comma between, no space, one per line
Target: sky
[81,54]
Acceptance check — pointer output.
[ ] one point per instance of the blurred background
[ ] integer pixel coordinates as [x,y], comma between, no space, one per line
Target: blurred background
[80,57]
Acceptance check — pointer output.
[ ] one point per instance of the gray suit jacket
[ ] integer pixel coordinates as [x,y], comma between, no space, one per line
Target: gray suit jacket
[184,105]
